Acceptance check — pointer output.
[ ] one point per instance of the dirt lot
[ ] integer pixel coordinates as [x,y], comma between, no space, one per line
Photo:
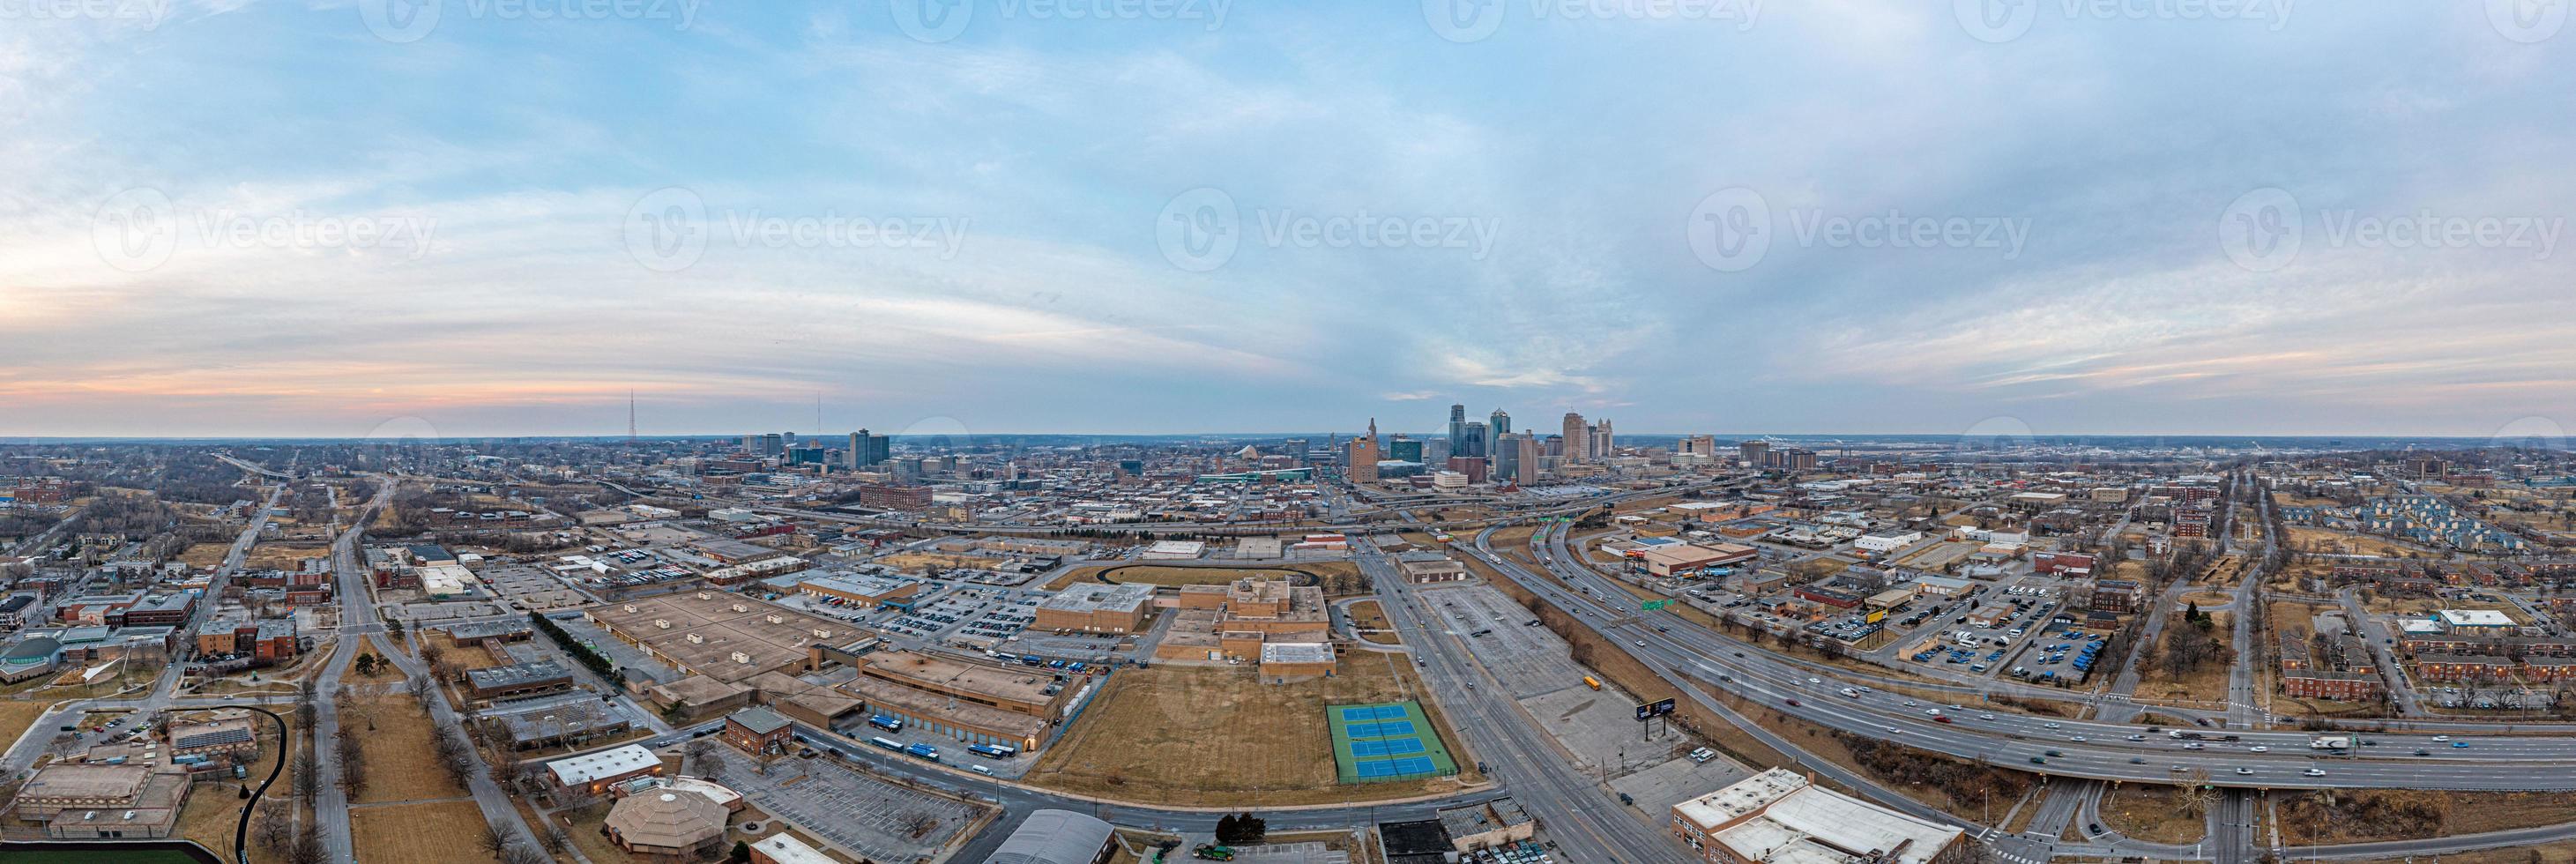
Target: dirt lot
[1191,735]
[204,555]
[916,562]
[2150,813]
[2343,543]
[417,833]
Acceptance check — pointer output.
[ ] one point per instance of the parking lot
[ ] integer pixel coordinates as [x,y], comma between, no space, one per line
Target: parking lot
[858,812]
[859,729]
[1527,660]
[533,588]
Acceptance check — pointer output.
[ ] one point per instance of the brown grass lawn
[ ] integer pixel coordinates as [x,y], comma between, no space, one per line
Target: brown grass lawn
[401,763]
[16,715]
[418,833]
[205,554]
[1199,735]
[2149,812]
[917,562]
[1371,621]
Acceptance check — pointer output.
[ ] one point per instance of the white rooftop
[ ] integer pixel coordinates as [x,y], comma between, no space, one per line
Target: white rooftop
[577,770]
[1788,820]
[784,848]
[2475,618]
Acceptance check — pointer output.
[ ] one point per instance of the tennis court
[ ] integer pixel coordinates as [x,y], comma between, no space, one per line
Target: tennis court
[1388,741]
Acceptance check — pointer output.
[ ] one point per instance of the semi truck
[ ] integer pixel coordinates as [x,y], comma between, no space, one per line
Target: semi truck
[2331,742]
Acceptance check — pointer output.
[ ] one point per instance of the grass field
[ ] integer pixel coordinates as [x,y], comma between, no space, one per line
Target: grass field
[2343,543]
[1215,736]
[2149,813]
[16,715]
[417,833]
[1371,621]
[915,562]
[2203,685]
[402,764]
[282,555]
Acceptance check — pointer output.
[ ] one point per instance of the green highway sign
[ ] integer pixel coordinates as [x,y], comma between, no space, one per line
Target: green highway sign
[1652,605]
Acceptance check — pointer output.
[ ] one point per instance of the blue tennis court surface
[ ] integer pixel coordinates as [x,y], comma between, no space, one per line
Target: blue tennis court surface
[1391,741]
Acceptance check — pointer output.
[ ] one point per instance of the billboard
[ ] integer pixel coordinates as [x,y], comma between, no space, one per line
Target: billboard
[1652,710]
[1877,615]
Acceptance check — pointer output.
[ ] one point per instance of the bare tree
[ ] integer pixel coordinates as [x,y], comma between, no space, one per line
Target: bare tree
[303,778]
[308,848]
[494,839]
[519,854]
[271,830]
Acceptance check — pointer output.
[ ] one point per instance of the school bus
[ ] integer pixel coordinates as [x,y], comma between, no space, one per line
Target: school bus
[1594,683]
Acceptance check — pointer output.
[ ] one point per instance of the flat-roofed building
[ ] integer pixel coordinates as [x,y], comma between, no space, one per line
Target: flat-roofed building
[1490,825]
[967,700]
[220,734]
[863,591]
[1174,550]
[1682,559]
[784,848]
[758,730]
[1282,661]
[517,679]
[1782,817]
[1422,567]
[596,773]
[1097,608]
[724,636]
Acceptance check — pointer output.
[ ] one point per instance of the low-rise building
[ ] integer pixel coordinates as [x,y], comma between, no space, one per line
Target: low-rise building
[596,773]
[1782,817]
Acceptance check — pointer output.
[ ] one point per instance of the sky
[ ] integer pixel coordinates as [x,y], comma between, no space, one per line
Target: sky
[495,217]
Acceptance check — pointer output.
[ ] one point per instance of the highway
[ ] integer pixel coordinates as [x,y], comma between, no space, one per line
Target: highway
[2106,751]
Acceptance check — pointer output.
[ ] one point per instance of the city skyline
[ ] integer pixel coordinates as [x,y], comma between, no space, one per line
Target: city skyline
[1157,225]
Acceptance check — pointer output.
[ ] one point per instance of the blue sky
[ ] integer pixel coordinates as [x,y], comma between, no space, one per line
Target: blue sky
[483,217]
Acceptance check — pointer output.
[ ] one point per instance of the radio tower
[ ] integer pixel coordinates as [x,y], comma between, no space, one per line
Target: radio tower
[630,416]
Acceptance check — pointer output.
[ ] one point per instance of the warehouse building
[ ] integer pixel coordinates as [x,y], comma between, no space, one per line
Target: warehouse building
[596,773]
[517,679]
[1423,567]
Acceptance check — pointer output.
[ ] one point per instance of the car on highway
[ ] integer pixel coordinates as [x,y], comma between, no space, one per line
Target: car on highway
[1940,719]
[1793,703]
[2038,761]
[2245,771]
[2052,724]
[2079,739]
[2423,752]
[2137,760]
[2459,745]
[2055,753]
[1985,716]
[1815,680]
[1641,643]
[2314,772]
[2258,748]
[2441,738]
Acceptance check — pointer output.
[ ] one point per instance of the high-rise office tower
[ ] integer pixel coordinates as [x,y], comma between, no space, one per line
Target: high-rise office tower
[1496,427]
[1457,427]
[1295,448]
[867,450]
[1507,454]
[1604,444]
[1756,454]
[773,444]
[1472,441]
[1533,460]
[1578,438]
[1699,445]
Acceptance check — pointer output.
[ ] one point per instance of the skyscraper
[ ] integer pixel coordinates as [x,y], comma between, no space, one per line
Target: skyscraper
[1532,460]
[1604,444]
[1756,454]
[1578,439]
[1457,427]
[1496,427]
[1472,441]
[1507,454]
[867,450]
[1360,465]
